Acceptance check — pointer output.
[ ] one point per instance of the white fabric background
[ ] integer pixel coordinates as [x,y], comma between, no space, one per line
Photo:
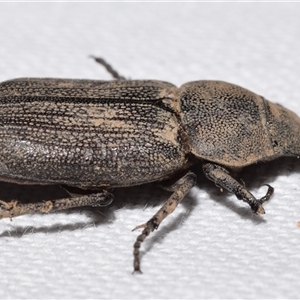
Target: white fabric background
[212,246]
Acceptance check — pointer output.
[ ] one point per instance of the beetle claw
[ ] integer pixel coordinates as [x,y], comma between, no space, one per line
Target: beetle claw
[139,227]
[137,271]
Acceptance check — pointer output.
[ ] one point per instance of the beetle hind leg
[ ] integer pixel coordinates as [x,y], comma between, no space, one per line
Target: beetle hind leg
[14,208]
[181,188]
[222,178]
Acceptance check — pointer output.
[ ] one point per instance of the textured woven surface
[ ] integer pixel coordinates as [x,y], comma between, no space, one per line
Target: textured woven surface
[212,246]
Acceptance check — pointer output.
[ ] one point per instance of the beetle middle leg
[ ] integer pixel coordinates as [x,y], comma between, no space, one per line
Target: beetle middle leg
[14,208]
[180,188]
[222,178]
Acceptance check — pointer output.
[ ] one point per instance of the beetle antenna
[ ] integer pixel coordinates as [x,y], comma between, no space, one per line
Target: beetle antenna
[108,67]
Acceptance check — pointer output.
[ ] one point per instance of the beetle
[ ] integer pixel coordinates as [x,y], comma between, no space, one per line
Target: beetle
[99,135]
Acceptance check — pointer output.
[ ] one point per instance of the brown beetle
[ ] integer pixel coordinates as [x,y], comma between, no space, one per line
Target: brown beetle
[106,134]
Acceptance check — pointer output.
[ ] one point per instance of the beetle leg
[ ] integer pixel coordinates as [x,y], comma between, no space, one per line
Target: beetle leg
[109,68]
[15,208]
[222,178]
[181,188]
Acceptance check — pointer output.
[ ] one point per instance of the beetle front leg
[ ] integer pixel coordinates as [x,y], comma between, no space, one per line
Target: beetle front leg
[181,188]
[15,208]
[222,178]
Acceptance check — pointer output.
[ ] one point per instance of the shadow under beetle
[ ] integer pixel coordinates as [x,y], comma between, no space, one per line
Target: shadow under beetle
[100,135]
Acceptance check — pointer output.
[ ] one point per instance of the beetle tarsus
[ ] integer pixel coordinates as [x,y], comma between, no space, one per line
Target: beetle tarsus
[222,178]
[268,194]
[183,185]
[150,226]
[256,205]
[15,208]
